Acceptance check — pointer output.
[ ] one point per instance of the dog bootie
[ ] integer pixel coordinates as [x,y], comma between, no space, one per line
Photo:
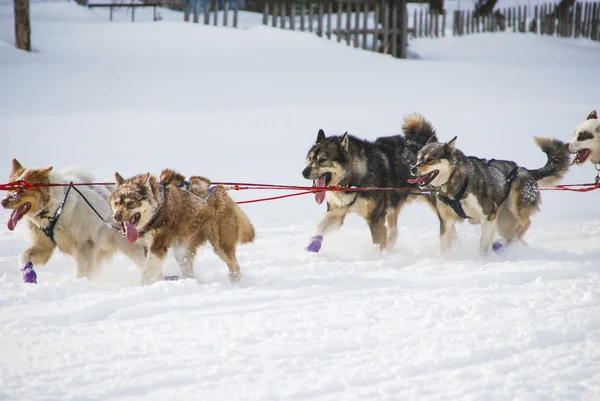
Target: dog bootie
[29,275]
[497,246]
[315,244]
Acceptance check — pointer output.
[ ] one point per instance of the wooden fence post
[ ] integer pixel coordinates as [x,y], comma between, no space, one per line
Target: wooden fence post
[216,13]
[207,12]
[225,11]
[283,10]
[365,23]
[329,12]
[375,28]
[293,17]
[356,24]
[443,23]
[302,16]
[320,22]
[421,23]
[394,35]
[196,11]
[403,29]
[235,13]
[274,14]
[186,11]
[348,21]
[265,19]
[339,22]
[386,27]
[311,17]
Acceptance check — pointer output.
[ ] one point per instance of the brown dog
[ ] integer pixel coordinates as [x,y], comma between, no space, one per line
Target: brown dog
[163,215]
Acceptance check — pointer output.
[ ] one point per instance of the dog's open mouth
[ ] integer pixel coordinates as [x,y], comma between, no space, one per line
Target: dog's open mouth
[17,215]
[322,181]
[581,156]
[130,229]
[425,179]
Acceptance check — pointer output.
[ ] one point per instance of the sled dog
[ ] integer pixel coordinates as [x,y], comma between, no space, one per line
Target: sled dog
[585,141]
[347,161]
[161,215]
[76,230]
[498,194]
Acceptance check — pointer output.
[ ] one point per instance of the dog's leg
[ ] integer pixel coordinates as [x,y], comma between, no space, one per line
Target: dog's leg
[40,251]
[378,232]
[447,235]
[488,231]
[391,220]
[154,262]
[333,220]
[133,252]
[86,260]
[185,259]
[227,254]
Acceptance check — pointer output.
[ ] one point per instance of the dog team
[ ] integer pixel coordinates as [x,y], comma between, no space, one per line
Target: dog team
[144,217]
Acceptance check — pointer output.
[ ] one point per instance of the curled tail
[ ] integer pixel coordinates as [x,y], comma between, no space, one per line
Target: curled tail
[558,161]
[418,130]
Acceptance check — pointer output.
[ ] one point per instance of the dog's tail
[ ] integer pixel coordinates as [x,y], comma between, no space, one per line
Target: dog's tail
[246,232]
[171,177]
[558,161]
[418,130]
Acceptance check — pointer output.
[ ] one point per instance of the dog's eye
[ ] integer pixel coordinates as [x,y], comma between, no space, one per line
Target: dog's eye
[429,160]
[130,204]
[322,160]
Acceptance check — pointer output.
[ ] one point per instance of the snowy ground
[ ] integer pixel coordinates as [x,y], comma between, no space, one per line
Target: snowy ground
[348,323]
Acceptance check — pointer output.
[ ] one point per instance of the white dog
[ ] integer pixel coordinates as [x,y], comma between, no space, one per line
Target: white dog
[75,229]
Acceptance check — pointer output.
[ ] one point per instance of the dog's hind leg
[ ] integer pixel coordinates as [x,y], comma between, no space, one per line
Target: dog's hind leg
[488,230]
[391,220]
[378,232]
[185,259]
[86,260]
[227,254]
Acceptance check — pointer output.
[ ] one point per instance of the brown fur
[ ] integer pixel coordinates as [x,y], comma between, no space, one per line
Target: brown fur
[183,220]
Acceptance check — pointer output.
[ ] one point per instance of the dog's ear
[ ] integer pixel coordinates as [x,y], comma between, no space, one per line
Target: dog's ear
[119,179]
[593,115]
[320,136]
[451,144]
[16,166]
[145,178]
[432,139]
[45,171]
[344,142]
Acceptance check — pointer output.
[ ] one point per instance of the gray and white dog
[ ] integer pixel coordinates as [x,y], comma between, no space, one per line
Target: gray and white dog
[585,142]
[498,194]
[347,161]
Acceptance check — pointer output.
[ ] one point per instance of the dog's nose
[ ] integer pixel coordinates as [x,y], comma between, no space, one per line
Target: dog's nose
[414,170]
[118,217]
[306,173]
[4,202]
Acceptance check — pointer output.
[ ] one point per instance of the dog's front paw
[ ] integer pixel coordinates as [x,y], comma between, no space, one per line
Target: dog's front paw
[315,244]
[29,275]
[235,277]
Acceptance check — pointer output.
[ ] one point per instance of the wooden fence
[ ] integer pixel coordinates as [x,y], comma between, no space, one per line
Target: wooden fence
[579,20]
[371,25]
[220,10]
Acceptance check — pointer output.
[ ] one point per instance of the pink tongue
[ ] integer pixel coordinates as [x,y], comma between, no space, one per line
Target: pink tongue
[320,196]
[15,216]
[131,232]
[418,180]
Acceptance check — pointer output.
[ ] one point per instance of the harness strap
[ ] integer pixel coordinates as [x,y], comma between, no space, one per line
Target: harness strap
[454,203]
[49,229]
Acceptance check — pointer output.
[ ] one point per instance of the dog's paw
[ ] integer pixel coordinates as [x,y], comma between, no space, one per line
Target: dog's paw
[29,275]
[315,244]
[235,277]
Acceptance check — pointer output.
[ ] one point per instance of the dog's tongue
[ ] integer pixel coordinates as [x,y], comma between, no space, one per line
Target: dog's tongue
[419,180]
[320,196]
[15,216]
[131,232]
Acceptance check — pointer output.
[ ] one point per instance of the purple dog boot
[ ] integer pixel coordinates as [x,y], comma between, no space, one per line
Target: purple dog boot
[29,275]
[497,246]
[315,244]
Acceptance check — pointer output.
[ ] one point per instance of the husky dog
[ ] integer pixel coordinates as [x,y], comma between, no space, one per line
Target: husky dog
[163,215]
[498,194]
[348,161]
[76,230]
[585,142]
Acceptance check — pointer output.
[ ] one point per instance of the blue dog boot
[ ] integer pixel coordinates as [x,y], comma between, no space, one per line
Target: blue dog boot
[29,275]
[315,244]
[497,246]
[171,278]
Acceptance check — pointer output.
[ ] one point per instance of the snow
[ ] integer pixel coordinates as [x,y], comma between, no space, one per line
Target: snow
[348,323]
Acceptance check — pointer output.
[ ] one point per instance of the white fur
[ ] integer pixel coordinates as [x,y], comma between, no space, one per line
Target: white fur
[78,231]
[592,126]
